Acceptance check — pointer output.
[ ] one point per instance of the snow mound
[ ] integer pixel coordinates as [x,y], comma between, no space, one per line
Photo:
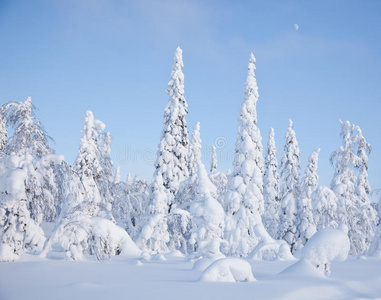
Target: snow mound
[268,248]
[326,245]
[176,253]
[92,235]
[302,269]
[159,257]
[228,270]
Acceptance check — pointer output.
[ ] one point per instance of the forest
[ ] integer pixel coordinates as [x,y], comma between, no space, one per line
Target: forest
[262,209]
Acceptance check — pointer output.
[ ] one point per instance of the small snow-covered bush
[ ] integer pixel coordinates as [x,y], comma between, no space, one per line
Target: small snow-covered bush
[228,270]
[326,245]
[268,248]
[92,235]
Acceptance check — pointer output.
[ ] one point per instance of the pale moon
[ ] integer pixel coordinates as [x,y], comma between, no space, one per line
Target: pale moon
[296,26]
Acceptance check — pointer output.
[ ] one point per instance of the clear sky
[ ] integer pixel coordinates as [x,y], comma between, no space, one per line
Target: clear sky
[114,57]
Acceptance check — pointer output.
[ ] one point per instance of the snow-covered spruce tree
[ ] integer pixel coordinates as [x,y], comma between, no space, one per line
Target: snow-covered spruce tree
[85,225]
[179,219]
[207,213]
[154,235]
[358,217]
[187,189]
[289,189]
[88,164]
[171,166]
[105,180]
[244,195]
[194,153]
[30,143]
[368,218]
[363,150]
[307,226]
[271,198]
[29,136]
[213,164]
[344,179]
[172,156]
[45,188]
[18,231]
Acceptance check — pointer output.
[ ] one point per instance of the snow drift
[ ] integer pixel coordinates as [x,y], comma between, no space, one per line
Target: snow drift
[326,245]
[228,270]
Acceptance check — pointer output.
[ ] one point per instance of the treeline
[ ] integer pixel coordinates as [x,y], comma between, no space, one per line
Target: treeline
[260,209]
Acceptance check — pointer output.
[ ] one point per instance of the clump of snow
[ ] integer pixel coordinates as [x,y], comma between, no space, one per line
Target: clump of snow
[326,245]
[268,248]
[228,270]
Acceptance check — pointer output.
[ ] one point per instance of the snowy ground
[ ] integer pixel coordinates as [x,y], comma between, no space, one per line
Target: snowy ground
[120,278]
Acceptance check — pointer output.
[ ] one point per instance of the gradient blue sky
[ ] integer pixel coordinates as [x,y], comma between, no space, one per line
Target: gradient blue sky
[115,57]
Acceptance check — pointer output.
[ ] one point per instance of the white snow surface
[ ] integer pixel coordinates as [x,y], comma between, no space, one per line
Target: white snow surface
[55,278]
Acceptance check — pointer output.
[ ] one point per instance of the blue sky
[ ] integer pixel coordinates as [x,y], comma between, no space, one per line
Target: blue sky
[115,57]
